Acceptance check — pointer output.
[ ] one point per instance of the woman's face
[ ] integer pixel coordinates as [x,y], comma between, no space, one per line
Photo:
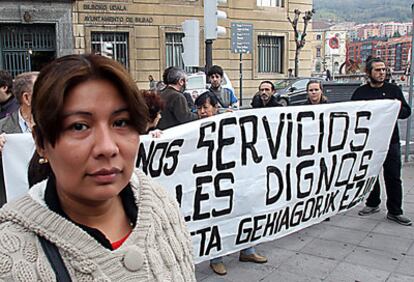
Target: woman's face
[314,93]
[206,110]
[94,156]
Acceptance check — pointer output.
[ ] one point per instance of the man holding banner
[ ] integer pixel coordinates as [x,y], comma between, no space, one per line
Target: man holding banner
[378,88]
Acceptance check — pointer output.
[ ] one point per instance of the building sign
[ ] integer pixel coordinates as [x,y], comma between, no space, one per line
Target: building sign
[117,19]
[112,14]
[104,7]
[241,38]
[334,42]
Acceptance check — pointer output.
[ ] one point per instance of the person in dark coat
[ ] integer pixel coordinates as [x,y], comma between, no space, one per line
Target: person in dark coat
[265,97]
[378,88]
[176,109]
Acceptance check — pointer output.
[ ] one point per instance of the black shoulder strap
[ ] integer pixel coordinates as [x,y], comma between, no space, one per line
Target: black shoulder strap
[55,260]
[223,105]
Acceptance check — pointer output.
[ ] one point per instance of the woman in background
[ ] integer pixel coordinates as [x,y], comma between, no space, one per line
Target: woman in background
[315,93]
[155,106]
[207,105]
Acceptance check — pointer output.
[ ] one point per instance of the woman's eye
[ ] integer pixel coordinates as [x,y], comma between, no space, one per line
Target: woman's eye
[79,127]
[121,123]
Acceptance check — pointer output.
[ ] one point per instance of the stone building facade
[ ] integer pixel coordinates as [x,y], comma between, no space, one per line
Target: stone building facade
[34,32]
[146,35]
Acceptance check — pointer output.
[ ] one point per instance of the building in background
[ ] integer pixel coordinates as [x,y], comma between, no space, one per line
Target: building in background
[318,47]
[32,33]
[388,29]
[146,36]
[329,47]
[394,51]
[393,29]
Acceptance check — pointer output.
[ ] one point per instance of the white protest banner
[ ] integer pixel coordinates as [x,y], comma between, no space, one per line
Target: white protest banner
[16,154]
[256,175]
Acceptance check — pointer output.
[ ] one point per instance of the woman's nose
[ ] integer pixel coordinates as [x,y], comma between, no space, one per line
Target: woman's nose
[105,143]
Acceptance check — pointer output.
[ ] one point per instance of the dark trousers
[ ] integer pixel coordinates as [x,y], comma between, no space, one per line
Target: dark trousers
[393,183]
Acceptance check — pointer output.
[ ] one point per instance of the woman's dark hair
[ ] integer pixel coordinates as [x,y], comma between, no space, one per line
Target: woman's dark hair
[58,78]
[36,172]
[206,97]
[314,81]
[154,102]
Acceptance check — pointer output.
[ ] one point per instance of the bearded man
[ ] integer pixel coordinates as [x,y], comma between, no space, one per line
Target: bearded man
[378,88]
[265,97]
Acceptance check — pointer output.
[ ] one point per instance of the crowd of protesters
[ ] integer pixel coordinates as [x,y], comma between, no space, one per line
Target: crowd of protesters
[86,116]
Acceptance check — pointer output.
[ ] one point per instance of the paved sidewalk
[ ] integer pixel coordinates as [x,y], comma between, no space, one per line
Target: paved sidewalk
[346,248]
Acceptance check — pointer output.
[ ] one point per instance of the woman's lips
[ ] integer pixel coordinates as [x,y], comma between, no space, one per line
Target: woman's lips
[105,176]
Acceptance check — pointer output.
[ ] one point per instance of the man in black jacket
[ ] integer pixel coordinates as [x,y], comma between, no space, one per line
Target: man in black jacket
[265,97]
[378,88]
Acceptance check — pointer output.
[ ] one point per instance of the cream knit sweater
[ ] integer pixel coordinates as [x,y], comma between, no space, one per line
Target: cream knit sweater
[158,249]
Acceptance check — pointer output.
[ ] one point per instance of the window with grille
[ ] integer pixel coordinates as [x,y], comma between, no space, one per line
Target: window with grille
[270,54]
[173,49]
[318,52]
[26,48]
[111,44]
[270,3]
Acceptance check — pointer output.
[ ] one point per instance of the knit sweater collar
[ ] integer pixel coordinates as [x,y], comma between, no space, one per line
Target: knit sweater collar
[32,213]
[52,201]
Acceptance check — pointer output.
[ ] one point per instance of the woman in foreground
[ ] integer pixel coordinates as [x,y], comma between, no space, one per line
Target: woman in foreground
[96,218]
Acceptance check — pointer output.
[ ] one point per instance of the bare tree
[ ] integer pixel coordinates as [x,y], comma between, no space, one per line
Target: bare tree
[300,37]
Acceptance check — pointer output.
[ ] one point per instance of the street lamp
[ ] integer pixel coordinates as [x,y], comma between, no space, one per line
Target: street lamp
[410,91]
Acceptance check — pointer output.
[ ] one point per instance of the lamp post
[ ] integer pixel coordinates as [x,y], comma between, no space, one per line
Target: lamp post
[410,95]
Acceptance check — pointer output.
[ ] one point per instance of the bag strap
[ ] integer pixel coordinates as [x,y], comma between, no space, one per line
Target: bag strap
[55,260]
[223,105]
